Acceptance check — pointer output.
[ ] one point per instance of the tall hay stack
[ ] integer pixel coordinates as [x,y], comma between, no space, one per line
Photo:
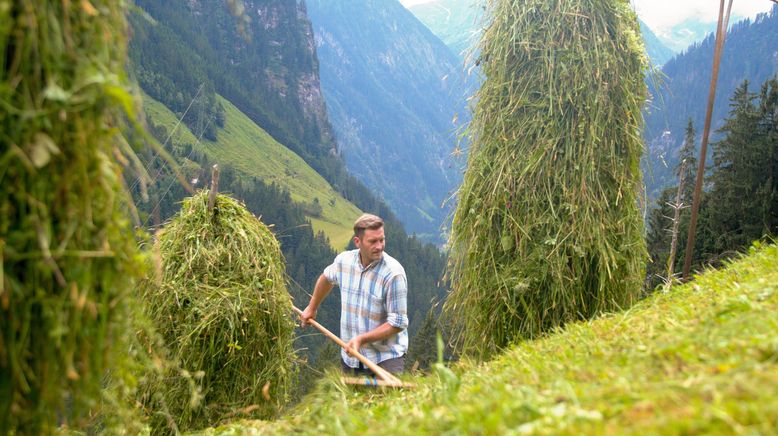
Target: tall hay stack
[224,312]
[547,229]
[67,250]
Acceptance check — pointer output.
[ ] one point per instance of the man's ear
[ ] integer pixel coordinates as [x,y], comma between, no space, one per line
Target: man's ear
[356,241]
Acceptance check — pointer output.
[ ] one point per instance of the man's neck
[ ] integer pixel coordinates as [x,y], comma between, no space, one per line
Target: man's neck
[365,262]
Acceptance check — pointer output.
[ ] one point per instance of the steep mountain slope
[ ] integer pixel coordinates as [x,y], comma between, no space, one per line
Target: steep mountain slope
[701,358]
[249,149]
[750,53]
[392,89]
[269,71]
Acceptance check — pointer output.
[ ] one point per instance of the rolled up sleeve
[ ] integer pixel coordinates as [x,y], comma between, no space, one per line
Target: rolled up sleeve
[397,302]
[332,272]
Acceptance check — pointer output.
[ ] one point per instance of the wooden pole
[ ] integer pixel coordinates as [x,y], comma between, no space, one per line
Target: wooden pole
[214,187]
[721,31]
[377,370]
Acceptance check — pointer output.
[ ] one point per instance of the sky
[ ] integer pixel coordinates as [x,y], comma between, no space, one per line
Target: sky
[661,15]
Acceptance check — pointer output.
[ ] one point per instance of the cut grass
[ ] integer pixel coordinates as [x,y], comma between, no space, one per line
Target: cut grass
[702,358]
[254,153]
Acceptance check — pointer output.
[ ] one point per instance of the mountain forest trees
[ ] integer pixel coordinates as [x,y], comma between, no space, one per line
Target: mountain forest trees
[740,197]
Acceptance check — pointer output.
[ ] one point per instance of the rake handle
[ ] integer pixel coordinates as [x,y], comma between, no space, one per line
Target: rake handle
[377,370]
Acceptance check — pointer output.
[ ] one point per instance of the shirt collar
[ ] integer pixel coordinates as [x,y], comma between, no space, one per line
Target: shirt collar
[371,265]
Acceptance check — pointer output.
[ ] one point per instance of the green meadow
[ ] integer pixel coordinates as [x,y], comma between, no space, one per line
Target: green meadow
[699,358]
[254,153]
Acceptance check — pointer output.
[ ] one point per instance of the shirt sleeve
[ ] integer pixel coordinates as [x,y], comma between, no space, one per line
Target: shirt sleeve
[331,272]
[397,302]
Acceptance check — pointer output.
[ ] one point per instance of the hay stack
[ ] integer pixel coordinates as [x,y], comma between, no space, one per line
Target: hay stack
[223,310]
[68,258]
[547,228]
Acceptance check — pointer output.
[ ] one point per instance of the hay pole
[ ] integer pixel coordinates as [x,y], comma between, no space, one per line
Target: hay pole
[385,375]
[721,34]
[214,187]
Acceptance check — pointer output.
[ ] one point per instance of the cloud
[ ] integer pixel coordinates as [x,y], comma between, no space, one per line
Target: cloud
[661,15]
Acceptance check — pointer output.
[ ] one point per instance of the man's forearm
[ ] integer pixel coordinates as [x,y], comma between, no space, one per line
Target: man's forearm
[320,291]
[383,331]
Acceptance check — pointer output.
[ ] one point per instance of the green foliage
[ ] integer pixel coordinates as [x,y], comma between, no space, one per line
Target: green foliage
[741,204]
[68,252]
[744,199]
[547,228]
[699,359]
[222,308]
[422,351]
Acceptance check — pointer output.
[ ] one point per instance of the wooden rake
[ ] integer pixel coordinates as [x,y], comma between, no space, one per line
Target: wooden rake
[385,378]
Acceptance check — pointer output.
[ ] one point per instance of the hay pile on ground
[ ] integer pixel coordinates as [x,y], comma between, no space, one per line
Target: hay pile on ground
[68,258]
[223,310]
[547,228]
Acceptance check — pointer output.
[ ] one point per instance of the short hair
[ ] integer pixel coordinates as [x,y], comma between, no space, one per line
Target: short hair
[367,221]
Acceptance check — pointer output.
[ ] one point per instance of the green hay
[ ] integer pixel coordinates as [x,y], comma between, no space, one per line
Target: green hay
[223,310]
[68,253]
[547,229]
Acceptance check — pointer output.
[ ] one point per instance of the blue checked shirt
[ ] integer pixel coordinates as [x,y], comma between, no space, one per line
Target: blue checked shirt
[371,296]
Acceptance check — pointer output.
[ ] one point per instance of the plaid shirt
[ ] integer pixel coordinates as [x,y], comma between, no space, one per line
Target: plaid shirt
[371,296]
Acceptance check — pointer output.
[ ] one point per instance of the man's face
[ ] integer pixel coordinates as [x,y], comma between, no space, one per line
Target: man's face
[371,245]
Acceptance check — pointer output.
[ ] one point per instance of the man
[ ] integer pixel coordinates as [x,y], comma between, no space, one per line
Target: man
[373,294]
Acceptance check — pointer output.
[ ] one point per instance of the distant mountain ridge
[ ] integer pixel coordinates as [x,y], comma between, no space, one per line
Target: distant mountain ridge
[657,51]
[455,22]
[396,96]
[750,52]
[458,23]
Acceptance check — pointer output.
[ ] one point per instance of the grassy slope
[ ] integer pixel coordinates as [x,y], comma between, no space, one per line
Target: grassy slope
[250,150]
[700,358]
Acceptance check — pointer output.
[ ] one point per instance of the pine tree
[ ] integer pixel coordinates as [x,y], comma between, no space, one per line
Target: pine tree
[687,154]
[423,347]
[744,198]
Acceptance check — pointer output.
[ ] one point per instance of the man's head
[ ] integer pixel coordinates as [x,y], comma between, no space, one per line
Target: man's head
[369,237]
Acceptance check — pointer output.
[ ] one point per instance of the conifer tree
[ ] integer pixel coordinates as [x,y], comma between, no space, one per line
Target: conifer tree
[744,198]
[687,154]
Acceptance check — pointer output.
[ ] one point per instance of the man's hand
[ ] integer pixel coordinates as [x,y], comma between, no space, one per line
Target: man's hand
[308,314]
[354,344]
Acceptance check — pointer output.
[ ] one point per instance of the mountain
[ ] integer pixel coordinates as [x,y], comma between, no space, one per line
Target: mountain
[750,53]
[458,23]
[254,153]
[658,52]
[455,22]
[192,52]
[690,31]
[269,70]
[396,96]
